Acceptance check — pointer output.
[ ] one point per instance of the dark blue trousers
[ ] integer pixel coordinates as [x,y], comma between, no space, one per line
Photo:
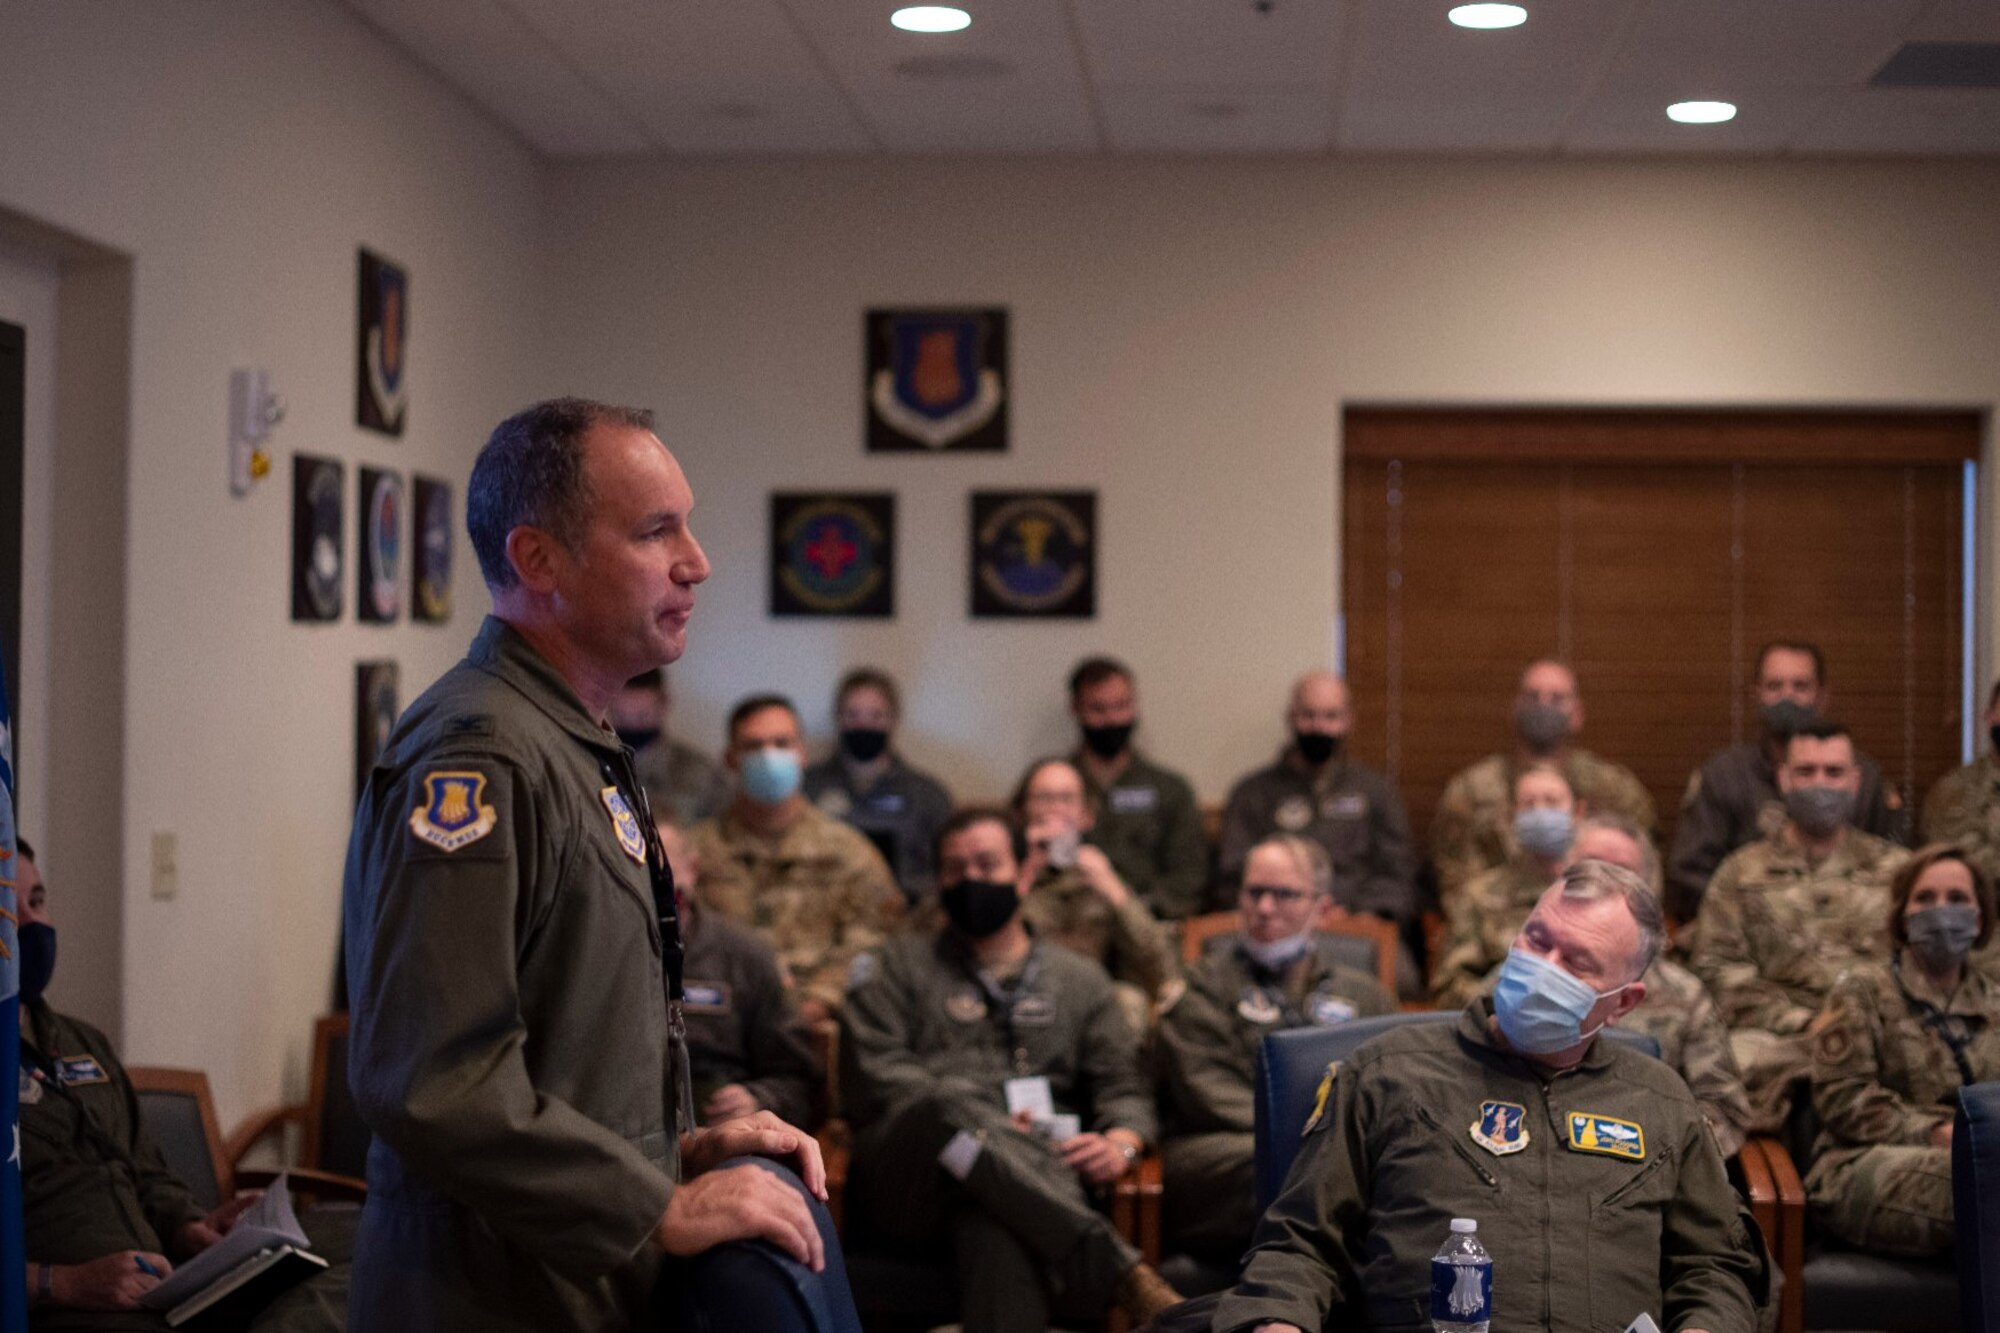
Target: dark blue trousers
[754,1287]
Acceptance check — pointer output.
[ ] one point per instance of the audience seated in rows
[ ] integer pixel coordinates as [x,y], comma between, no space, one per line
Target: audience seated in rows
[105,1220]
[682,782]
[1275,972]
[1734,798]
[816,889]
[867,782]
[993,1084]
[1472,829]
[1786,915]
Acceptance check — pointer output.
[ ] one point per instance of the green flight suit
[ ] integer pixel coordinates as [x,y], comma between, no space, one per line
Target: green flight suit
[1588,1223]
[1150,827]
[94,1183]
[1209,1036]
[927,1045]
[510,1044]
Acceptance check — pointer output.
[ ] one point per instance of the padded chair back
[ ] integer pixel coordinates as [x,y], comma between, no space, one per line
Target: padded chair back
[1291,1064]
[336,1139]
[1975,1187]
[177,1112]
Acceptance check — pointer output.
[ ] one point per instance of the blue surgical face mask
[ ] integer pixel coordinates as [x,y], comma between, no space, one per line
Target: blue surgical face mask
[769,775]
[38,958]
[1541,1008]
[1279,954]
[1545,832]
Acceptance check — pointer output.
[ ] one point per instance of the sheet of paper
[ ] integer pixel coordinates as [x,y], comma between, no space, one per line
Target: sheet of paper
[1063,1128]
[267,1222]
[1643,1324]
[1031,1095]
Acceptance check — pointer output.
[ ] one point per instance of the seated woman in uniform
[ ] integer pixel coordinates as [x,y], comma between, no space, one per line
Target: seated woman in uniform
[1890,1051]
[1077,899]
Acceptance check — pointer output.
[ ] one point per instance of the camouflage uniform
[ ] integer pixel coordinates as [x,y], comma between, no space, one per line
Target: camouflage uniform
[1349,809]
[1883,1080]
[1150,827]
[928,1042]
[1473,827]
[1964,807]
[1774,934]
[1125,941]
[681,781]
[1677,1011]
[1732,799]
[819,892]
[1209,1037]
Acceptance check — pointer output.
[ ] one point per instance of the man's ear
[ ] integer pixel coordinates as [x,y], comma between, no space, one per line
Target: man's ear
[1629,999]
[534,555]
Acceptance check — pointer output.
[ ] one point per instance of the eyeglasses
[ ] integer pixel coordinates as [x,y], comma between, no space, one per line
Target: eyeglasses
[1282,897]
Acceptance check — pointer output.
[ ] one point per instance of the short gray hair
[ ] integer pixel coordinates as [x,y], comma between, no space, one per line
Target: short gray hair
[1649,855]
[1591,880]
[530,474]
[1306,854]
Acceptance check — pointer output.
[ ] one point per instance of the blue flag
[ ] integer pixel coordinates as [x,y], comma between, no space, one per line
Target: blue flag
[13,1239]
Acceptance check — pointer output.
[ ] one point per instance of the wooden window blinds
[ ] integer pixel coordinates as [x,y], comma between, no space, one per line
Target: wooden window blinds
[1655,552]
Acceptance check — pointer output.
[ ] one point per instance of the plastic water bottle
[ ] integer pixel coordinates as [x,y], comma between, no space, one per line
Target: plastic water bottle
[1462,1281]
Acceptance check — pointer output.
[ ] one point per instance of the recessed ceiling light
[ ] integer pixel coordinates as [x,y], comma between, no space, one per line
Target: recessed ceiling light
[931,18]
[1702,113]
[1488,16]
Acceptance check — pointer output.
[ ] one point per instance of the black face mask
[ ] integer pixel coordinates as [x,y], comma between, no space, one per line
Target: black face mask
[979,907]
[38,958]
[1108,742]
[864,744]
[638,738]
[1316,747]
[1787,717]
[1993,734]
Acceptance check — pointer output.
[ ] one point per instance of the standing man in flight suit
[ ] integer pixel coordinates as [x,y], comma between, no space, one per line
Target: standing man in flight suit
[512,946]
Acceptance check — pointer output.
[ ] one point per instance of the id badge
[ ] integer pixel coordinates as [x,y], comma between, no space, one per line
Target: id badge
[1031,1095]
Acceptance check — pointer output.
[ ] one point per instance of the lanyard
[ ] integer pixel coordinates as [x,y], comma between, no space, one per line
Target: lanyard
[1951,1029]
[673,948]
[1002,1002]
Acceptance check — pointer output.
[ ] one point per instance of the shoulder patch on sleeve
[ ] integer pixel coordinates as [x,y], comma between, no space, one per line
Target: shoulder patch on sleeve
[451,812]
[1319,1119]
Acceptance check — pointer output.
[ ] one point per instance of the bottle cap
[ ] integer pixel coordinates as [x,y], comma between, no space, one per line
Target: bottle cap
[1463,1225]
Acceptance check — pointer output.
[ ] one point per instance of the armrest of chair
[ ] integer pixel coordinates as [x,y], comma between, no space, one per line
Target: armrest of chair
[1135,1206]
[259,1126]
[833,1140]
[304,1180]
[1789,1242]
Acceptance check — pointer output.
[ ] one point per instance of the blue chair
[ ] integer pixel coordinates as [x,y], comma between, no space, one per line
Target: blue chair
[1975,1184]
[1291,1064]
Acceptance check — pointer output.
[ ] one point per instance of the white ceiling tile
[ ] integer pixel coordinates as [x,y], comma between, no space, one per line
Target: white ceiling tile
[1201,43]
[978,120]
[1385,124]
[485,50]
[1712,48]
[1958,21]
[770,122]
[1907,120]
[1218,120]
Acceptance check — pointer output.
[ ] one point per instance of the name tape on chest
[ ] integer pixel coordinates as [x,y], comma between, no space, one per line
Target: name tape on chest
[1133,800]
[1502,1128]
[625,824]
[1606,1134]
[1330,1010]
[453,815]
[80,1071]
[705,997]
[1344,805]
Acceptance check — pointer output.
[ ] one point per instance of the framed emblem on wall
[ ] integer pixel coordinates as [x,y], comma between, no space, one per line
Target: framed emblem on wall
[833,554]
[382,346]
[936,381]
[1034,553]
[318,489]
[378,540]
[375,708]
[430,551]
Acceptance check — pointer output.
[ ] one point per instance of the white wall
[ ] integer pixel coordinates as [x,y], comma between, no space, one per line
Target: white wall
[239,152]
[1184,336]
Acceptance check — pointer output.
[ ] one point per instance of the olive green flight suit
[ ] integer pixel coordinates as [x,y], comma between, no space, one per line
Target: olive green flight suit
[927,1046]
[1150,827]
[510,1046]
[1598,1192]
[1883,1081]
[1209,1036]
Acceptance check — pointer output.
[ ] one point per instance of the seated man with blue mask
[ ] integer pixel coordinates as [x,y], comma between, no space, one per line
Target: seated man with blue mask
[1588,1166]
[1276,972]
[812,886]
